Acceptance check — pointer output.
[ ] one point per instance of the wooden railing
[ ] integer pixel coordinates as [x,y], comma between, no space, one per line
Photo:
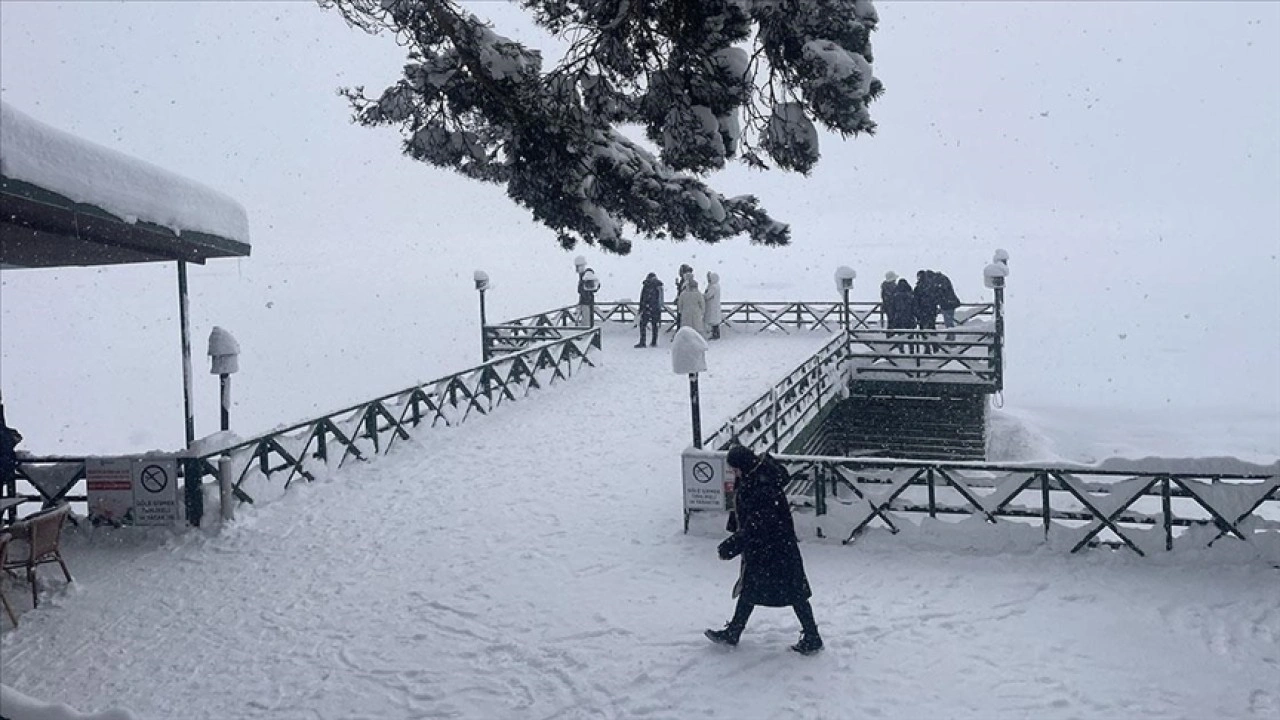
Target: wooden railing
[762,316]
[953,355]
[775,419]
[1143,510]
[365,430]
[359,432]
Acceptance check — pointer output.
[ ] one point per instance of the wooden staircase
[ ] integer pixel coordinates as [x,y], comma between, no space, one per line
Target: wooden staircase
[924,428]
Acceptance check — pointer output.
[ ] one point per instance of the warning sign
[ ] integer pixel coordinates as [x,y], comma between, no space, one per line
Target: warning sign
[703,482]
[155,492]
[133,491]
[110,488]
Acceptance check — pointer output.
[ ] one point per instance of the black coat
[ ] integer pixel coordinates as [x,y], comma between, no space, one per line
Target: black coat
[945,293]
[900,309]
[651,299]
[772,570]
[926,304]
[587,290]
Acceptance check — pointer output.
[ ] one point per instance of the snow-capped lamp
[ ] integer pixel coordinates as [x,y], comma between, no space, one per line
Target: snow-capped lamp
[689,357]
[482,283]
[844,283]
[224,357]
[994,274]
[579,263]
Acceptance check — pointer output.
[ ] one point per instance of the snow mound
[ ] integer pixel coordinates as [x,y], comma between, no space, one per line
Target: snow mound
[16,706]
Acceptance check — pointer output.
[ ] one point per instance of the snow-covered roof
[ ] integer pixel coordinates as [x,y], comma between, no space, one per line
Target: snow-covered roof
[53,161]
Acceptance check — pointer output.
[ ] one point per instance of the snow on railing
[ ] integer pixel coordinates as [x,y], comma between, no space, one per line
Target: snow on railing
[360,431]
[365,430]
[1065,506]
[763,316]
[776,418]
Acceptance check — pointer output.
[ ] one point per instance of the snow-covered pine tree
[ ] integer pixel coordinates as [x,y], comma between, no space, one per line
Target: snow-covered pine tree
[709,81]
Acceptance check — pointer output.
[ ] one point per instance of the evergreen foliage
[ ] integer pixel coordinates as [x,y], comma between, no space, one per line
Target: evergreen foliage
[708,80]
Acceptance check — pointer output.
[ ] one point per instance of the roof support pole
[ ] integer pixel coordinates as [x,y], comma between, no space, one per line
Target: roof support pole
[191,473]
[185,322]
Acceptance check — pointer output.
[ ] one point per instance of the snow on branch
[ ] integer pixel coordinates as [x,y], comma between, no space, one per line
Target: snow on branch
[710,82]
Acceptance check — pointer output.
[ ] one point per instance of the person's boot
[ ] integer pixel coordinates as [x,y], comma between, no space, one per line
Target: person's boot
[810,643]
[728,636]
[640,344]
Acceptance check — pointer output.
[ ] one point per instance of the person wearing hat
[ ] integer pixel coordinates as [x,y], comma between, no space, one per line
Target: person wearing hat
[887,288]
[691,306]
[713,315]
[763,534]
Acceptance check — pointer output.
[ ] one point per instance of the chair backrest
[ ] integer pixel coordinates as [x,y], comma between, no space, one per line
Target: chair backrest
[46,529]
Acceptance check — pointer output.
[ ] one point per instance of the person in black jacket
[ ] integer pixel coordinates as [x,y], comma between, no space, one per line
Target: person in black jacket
[926,300]
[948,301]
[9,439]
[650,307]
[764,535]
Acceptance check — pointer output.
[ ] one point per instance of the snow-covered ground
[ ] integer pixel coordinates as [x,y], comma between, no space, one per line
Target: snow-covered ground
[531,564]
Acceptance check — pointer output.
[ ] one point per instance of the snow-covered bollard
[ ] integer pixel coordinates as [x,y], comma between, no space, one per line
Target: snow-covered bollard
[689,357]
[844,283]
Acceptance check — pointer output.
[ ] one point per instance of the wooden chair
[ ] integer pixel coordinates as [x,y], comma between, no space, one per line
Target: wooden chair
[4,548]
[42,532]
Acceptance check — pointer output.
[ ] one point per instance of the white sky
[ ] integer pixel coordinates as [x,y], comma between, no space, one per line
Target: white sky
[1126,154]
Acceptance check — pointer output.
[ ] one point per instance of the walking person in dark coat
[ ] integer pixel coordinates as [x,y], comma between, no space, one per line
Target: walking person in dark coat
[764,535]
[650,307]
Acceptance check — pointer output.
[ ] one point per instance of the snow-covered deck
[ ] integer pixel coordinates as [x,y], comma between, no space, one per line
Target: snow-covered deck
[531,565]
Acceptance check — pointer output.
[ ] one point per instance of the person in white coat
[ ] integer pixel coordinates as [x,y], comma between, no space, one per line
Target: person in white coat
[712,317]
[692,306]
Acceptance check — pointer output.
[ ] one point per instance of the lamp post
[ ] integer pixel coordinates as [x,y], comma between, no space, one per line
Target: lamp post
[224,357]
[993,277]
[224,360]
[844,283]
[689,357]
[482,284]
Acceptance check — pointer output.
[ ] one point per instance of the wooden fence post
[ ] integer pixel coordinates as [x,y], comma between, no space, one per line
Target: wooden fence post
[1044,503]
[933,512]
[1168,513]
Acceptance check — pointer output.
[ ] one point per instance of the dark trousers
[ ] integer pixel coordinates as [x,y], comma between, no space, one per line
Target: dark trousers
[804,613]
[646,322]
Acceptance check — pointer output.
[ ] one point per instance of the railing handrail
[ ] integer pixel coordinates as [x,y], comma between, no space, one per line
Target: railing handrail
[504,359]
[883,463]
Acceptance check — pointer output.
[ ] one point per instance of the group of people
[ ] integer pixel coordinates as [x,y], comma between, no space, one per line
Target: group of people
[908,308]
[695,308]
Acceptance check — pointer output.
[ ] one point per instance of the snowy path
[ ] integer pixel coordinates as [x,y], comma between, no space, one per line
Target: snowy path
[531,565]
